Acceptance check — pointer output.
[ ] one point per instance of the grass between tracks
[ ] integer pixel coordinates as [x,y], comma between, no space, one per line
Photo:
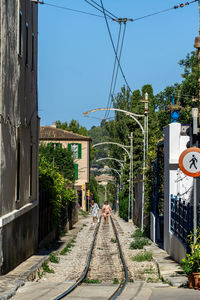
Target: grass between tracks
[87,280]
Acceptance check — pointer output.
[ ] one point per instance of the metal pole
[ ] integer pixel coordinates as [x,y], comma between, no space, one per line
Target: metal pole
[145,148]
[147,119]
[143,177]
[130,200]
[131,206]
[197,45]
[195,205]
[105,192]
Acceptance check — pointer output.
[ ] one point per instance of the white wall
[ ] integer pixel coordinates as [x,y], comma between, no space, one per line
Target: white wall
[175,183]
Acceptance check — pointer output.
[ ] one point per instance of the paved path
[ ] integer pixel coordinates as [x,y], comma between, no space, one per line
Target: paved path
[133,291]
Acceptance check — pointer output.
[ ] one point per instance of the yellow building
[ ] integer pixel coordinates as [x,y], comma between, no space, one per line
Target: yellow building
[80,146]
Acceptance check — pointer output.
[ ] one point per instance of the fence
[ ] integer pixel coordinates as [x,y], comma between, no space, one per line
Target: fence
[182,218]
[44,215]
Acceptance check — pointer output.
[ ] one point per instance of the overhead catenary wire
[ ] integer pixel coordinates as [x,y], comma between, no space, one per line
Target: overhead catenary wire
[112,42]
[181,5]
[117,71]
[99,8]
[113,73]
[175,7]
[69,9]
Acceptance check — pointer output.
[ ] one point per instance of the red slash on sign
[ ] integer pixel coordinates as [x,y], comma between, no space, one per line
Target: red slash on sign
[189,162]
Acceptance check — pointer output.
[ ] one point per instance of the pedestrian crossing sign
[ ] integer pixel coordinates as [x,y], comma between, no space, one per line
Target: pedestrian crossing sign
[189,162]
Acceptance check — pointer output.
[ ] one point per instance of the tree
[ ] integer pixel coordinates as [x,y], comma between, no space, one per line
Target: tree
[93,186]
[60,191]
[73,126]
[60,158]
[185,94]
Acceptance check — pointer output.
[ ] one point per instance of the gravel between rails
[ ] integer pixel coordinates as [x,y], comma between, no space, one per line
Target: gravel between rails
[72,264]
[106,265]
[146,271]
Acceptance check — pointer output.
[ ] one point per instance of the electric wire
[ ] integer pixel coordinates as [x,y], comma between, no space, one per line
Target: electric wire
[116,75]
[113,73]
[107,11]
[112,42]
[98,9]
[181,5]
[120,54]
[70,9]
[102,119]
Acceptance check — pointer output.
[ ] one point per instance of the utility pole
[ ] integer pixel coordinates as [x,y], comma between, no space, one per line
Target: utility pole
[130,204]
[197,46]
[145,149]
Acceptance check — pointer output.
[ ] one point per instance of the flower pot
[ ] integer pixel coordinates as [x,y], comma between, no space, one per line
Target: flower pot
[196,277]
[191,281]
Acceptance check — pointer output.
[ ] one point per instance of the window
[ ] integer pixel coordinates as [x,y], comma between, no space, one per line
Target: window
[27,41]
[31,170]
[55,145]
[32,50]
[18,169]
[20,33]
[76,171]
[76,149]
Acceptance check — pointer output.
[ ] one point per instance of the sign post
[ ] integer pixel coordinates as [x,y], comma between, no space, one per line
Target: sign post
[189,163]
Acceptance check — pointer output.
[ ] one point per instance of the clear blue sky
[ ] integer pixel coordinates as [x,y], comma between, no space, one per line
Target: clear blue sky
[76,57]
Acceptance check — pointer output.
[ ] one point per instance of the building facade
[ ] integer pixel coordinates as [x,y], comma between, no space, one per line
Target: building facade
[19,132]
[80,146]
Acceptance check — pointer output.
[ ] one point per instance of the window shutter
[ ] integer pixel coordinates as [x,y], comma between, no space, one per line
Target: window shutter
[79,150]
[76,171]
[69,147]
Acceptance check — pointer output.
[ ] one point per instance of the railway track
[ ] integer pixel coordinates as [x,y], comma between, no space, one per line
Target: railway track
[105,261]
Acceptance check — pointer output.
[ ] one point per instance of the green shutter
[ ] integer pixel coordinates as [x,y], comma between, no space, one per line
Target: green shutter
[76,171]
[70,147]
[79,150]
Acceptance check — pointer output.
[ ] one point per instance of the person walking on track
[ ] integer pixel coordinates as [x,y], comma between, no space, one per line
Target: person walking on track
[106,211]
[95,211]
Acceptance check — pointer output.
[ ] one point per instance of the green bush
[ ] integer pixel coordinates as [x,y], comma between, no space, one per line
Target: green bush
[60,192]
[144,256]
[139,243]
[138,233]
[123,206]
[54,259]
[67,248]
[46,268]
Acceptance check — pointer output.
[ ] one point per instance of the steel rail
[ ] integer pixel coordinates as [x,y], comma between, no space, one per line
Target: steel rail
[122,286]
[83,276]
[80,280]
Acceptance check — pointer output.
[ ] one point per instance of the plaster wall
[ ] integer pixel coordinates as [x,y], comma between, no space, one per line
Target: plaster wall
[175,183]
[83,163]
[19,121]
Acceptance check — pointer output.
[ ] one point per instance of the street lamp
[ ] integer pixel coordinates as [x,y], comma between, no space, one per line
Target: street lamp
[130,155]
[145,141]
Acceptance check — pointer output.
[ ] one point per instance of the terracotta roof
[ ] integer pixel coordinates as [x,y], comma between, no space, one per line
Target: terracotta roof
[53,133]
